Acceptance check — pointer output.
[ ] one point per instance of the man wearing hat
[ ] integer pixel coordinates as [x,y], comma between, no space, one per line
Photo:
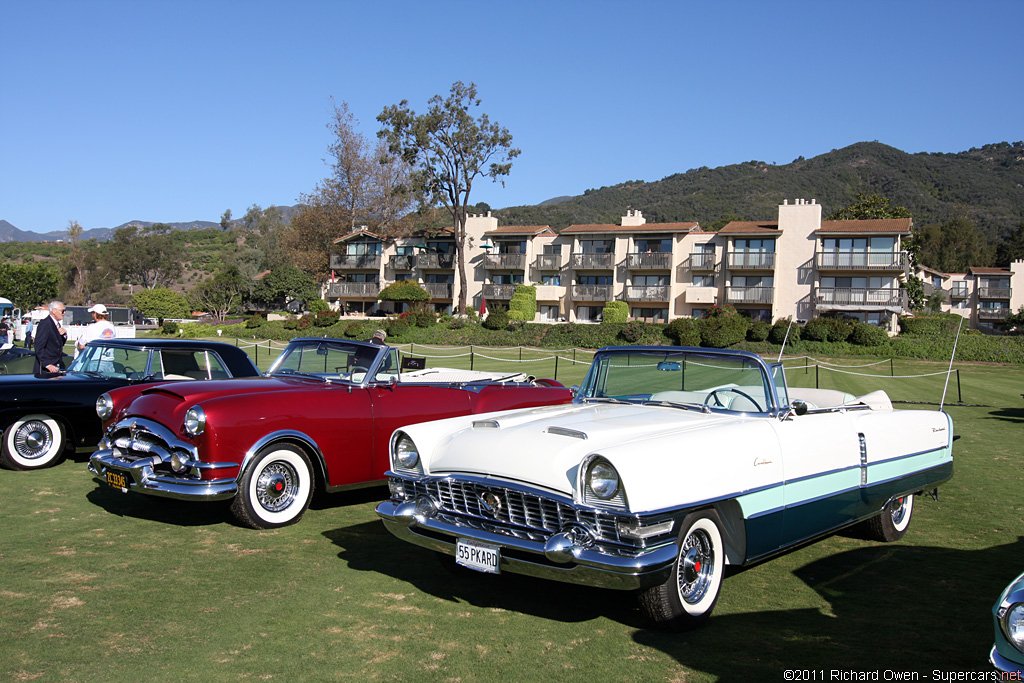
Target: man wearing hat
[101,328]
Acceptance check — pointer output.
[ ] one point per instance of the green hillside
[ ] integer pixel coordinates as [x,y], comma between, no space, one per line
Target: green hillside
[988,181]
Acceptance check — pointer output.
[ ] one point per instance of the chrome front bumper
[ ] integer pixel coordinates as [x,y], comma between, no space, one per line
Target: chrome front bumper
[140,477]
[560,558]
[1005,665]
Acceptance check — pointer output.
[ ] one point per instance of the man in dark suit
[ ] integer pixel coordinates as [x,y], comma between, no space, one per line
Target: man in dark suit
[50,338]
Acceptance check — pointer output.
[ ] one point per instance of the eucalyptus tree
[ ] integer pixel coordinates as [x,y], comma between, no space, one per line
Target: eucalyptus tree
[448,149]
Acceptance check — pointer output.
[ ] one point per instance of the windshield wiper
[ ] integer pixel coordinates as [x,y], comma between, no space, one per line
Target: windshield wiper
[606,399]
[671,404]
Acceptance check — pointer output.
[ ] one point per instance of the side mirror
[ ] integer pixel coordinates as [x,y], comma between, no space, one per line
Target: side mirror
[574,390]
[799,407]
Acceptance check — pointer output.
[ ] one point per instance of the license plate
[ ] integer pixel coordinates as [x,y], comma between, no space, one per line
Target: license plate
[117,480]
[483,558]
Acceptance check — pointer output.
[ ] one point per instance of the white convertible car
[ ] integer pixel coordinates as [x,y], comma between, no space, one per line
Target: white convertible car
[670,463]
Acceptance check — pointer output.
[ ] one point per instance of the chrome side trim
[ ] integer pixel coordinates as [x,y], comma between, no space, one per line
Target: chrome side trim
[277,436]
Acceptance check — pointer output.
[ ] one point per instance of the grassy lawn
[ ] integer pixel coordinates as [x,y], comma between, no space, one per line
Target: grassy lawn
[100,586]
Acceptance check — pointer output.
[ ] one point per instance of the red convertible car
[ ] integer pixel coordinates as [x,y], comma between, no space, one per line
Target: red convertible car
[321,418]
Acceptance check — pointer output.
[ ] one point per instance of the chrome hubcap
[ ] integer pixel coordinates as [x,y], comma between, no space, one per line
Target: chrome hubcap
[277,486]
[899,510]
[32,440]
[696,566]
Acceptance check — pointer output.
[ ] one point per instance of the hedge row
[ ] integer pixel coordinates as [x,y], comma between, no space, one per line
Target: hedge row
[864,340]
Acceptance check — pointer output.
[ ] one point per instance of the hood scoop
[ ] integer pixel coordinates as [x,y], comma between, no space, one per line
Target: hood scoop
[563,431]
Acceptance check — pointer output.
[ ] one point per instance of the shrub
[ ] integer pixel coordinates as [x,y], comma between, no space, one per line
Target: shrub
[318,305]
[924,326]
[615,312]
[496,319]
[868,335]
[255,321]
[171,327]
[758,331]
[633,331]
[523,305]
[684,332]
[723,329]
[457,323]
[395,327]
[778,331]
[326,318]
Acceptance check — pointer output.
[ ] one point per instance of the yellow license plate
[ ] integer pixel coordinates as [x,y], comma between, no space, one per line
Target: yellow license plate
[117,480]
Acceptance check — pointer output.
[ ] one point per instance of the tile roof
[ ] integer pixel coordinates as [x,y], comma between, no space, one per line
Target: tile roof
[358,233]
[882,225]
[973,270]
[521,230]
[751,228]
[646,227]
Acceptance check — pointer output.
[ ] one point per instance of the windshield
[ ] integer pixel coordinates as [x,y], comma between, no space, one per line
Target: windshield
[327,359]
[112,361]
[714,380]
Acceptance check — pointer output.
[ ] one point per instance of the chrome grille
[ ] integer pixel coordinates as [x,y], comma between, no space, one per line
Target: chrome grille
[137,438]
[523,514]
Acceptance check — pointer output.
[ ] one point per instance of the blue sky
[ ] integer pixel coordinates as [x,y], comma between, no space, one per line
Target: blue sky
[176,111]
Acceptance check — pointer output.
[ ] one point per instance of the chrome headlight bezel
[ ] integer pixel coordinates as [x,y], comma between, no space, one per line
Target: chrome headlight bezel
[195,421]
[600,483]
[104,407]
[405,455]
[1012,624]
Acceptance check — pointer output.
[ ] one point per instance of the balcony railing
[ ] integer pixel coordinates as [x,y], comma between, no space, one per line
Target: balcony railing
[749,295]
[504,261]
[993,292]
[353,289]
[858,296]
[647,293]
[403,262]
[499,292]
[651,260]
[861,260]
[959,293]
[358,261]
[442,261]
[439,290]
[548,261]
[752,260]
[702,260]
[993,313]
[592,261]
[592,292]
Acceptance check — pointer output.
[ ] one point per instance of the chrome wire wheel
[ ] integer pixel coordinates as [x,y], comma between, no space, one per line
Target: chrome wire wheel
[696,567]
[277,486]
[275,489]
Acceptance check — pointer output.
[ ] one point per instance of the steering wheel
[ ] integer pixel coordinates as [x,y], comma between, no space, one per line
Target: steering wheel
[128,371]
[745,395]
[357,368]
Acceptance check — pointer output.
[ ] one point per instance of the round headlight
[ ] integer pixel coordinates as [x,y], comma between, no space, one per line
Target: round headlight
[104,407]
[603,480]
[195,421]
[406,453]
[1013,625]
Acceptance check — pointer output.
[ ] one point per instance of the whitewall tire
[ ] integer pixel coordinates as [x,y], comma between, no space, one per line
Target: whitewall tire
[33,442]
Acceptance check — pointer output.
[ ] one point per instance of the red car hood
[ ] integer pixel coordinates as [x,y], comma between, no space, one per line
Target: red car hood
[193,392]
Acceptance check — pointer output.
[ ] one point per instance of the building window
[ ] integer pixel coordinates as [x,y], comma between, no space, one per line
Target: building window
[553,249]
[699,313]
[759,245]
[399,277]
[404,251]
[507,278]
[757,314]
[361,248]
[704,280]
[650,280]
[653,245]
[597,246]
[593,279]
[510,247]
[590,314]
[550,279]
[548,313]
[650,315]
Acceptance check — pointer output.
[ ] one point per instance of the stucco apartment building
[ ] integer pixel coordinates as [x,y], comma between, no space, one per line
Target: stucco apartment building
[984,296]
[797,266]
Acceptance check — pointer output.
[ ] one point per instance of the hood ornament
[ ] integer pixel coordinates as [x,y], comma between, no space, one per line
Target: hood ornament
[491,502]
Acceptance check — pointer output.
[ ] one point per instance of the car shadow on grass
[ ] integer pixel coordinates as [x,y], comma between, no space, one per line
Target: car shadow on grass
[370,547]
[1008,414]
[165,510]
[891,608]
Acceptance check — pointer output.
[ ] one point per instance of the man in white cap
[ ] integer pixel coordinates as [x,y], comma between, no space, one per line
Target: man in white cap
[101,328]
